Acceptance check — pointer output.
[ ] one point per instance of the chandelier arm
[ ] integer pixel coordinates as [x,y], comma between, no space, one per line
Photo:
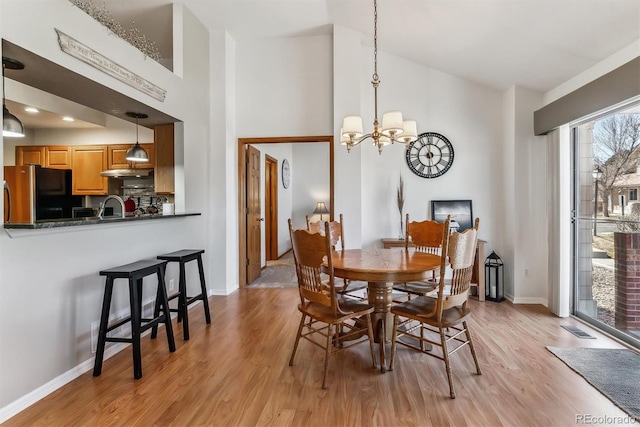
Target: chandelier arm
[356,141]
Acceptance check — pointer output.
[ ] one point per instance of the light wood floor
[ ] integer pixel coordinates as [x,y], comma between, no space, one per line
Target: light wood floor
[235,372]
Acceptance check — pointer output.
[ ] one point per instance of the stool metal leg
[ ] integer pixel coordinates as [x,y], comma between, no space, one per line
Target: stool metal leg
[182,303]
[134,297]
[203,286]
[165,310]
[156,310]
[156,313]
[102,332]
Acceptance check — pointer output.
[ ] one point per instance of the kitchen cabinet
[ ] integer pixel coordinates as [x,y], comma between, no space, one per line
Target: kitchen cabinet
[57,157]
[163,173]
[88,162]
[48,156]
[30,155]
[117,157]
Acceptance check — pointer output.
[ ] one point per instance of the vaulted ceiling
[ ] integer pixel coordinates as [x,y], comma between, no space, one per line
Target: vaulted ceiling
[537,44]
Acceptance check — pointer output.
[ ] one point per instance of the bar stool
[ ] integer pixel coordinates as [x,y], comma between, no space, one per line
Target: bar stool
[134,272]
[182,257]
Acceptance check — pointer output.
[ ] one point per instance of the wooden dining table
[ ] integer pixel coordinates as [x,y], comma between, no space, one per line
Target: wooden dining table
[380,268]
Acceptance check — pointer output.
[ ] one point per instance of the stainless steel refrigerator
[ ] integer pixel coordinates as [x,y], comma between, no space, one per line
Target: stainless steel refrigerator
[33,193]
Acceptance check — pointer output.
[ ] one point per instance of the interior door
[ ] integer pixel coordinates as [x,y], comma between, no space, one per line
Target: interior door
[271,208]
[254,219]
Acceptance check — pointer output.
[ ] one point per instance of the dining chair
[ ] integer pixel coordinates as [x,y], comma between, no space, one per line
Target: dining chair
[345,319]
[336,232]
[427,236]
[445,315]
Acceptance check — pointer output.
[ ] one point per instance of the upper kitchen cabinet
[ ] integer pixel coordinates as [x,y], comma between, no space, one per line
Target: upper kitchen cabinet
[57,157]
[88,162]
[30,155]
[48,156]
[117,157]
[164,181]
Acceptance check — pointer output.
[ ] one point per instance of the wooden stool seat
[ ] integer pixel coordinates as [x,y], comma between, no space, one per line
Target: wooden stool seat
[134,273]
[182,257]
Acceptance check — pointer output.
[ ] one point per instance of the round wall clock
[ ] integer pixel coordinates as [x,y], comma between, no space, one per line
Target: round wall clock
[286,174]
[430,156]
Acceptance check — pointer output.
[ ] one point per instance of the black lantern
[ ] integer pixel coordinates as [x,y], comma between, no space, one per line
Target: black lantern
[494,278]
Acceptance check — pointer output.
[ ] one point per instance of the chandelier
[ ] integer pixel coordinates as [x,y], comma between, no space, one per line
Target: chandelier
[393,129]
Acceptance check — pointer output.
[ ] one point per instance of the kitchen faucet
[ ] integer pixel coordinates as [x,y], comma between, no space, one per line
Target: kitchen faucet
[104,204]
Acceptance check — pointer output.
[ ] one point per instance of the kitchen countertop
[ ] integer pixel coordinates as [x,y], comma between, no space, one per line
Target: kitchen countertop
[72,222]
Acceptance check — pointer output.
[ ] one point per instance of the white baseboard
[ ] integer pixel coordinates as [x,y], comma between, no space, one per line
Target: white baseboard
[529,300]
[41,392]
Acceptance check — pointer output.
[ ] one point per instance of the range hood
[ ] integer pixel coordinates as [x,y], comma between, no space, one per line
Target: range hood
[128,173]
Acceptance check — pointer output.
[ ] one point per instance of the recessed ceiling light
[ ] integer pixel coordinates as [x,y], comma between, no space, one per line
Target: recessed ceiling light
[31,110]
[67,119]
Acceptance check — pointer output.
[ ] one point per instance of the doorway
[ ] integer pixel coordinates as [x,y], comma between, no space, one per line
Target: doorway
[271,208]
[606,172]
[243,220]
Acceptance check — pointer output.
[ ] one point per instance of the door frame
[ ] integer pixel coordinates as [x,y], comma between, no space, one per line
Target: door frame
[242,188]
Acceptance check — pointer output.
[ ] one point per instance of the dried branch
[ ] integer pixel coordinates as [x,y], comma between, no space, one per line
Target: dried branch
[401,195]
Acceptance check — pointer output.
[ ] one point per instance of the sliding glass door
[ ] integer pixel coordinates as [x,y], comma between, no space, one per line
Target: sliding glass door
[606,222]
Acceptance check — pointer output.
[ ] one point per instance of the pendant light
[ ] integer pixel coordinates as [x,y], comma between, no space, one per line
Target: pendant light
[11,126]
[137,153]
[393,128]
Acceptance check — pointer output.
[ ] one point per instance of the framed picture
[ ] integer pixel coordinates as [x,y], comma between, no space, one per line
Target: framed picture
[460,211]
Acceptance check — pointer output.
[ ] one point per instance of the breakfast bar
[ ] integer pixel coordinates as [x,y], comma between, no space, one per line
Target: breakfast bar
[71,222]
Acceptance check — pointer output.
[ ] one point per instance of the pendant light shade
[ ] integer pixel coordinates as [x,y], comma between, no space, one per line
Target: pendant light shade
[11,125]
[137,153]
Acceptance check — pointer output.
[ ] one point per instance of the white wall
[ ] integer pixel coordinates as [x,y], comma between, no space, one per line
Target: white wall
[116,131]
[522,218]
[468,114]
[46,337]
[309,181]
[284,87]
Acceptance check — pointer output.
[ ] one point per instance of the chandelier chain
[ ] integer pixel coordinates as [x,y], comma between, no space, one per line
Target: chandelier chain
[375,40]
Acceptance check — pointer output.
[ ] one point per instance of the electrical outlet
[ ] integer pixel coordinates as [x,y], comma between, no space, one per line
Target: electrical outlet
[94,336]
[147,312]
[171,284]
[526,273]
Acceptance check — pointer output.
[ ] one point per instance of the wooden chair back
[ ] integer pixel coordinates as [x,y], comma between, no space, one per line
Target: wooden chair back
[336,231]
[309,252]
[460,249]
[427,236]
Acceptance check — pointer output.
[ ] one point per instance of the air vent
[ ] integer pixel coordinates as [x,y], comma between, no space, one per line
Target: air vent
[578,332]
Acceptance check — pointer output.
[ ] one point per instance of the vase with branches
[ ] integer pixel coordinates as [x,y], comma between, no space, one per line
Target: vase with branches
[400,199]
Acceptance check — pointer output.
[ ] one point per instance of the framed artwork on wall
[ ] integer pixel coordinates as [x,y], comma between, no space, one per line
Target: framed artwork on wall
[460,210]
